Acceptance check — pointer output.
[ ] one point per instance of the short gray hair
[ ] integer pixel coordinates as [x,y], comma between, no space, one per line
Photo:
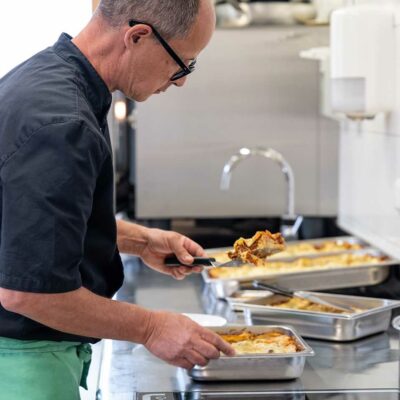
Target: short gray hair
[172,18]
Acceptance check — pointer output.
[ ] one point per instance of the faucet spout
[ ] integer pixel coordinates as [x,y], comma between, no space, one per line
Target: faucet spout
[233,162]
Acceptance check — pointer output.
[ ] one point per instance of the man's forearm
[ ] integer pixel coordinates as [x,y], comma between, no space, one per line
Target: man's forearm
[82,313]
[131,238]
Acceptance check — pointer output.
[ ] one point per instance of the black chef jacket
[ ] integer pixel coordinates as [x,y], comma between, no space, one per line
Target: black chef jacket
[57,222]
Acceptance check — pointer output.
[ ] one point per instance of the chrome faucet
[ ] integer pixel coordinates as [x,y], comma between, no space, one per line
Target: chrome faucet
[290,221]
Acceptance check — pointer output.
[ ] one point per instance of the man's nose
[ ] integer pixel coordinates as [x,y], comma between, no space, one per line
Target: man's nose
[180,82]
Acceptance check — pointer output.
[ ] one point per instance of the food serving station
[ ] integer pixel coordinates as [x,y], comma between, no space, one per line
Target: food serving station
[362,369]
[341,355]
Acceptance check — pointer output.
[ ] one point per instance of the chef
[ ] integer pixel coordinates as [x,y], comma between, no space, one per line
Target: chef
[59,240]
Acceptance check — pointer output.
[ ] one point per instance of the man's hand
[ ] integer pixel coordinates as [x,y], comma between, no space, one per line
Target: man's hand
[164,243]
[154,245]
[179,341]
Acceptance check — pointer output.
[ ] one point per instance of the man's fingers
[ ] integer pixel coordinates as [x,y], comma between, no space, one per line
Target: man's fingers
[185,249]
[175,273]
[218,342]
[207,350]
[195,249]
[190,270]
[183,363]
[178,275]
[181,273]
[196,358]
[184,257]
[180,250]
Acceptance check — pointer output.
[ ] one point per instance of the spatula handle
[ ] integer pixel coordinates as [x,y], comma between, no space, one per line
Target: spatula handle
[173,261]
[272,288]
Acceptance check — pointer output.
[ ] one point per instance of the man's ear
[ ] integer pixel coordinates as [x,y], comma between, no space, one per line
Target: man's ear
[136,33]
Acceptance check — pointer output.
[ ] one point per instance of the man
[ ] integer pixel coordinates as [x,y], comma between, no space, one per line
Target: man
[59,263]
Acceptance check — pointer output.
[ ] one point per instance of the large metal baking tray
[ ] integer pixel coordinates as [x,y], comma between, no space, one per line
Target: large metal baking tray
[278,257]
[242,296]
[255,367]
[323,325]
[311,279]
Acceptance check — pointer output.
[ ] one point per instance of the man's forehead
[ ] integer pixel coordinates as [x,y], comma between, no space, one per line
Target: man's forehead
[195,42]
[199,36]
[187,49]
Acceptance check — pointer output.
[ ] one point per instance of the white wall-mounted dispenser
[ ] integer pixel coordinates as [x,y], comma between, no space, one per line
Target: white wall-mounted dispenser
[363,59]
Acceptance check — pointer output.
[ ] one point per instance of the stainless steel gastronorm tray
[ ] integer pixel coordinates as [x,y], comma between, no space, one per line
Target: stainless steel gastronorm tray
[242,296]
[278,257]
[255,367]
[322,325]
[311,279]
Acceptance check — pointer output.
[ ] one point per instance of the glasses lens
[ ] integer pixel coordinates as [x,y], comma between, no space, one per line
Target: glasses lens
[179,75]
[192,65]
[182,73]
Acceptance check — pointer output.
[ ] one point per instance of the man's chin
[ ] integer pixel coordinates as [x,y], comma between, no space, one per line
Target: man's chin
[141,97]
[138,98]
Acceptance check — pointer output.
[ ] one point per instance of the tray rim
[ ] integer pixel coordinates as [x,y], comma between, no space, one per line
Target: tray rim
[307,352]
[346,316]
[391,261]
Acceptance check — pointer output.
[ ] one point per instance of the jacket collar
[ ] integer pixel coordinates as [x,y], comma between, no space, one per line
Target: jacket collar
[96,90]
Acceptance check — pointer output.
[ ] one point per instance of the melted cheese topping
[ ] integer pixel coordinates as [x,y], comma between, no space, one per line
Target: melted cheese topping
[304,304]
[297,303]
[318,248]
[266,343]
[302,249]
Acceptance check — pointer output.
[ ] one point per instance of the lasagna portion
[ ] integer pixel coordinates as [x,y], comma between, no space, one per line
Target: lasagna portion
[266,343]
[255,250]
[298,265]
[296,303]
[327,246]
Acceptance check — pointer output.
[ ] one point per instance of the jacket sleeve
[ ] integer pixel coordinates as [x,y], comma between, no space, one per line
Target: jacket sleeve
[47,192]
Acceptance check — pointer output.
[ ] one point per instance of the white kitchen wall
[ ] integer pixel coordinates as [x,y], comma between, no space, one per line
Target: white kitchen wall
[370,173]
[251,89]
[27,26]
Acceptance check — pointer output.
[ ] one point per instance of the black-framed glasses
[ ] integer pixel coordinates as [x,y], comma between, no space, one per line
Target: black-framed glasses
[185,69]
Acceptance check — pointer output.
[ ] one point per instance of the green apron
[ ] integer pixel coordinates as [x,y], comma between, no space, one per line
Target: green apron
[42,370]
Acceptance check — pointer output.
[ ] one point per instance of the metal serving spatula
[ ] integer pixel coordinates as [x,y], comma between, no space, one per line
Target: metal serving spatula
[301,294]
[207,262]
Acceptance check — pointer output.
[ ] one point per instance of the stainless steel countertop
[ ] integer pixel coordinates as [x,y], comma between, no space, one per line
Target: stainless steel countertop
[370,364]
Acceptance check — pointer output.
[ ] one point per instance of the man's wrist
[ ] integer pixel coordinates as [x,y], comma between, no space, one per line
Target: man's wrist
[132,238]
[142,240]
[148,324]
[138,323]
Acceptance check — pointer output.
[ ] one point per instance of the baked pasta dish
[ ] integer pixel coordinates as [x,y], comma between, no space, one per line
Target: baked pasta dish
[258,248]
[266,343]
[298,265]
[299,249]
[297,303]
[328,246]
